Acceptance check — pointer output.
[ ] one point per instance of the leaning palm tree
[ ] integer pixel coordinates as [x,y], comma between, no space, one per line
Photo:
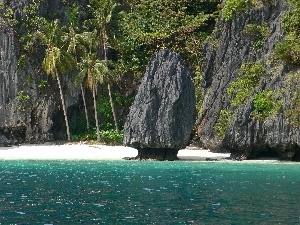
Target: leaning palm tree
[55,58]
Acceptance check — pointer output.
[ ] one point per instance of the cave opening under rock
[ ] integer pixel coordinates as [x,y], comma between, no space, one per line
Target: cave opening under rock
[267,154]
[159,154]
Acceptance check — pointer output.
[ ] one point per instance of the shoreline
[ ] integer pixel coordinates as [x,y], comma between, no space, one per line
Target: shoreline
[83,151]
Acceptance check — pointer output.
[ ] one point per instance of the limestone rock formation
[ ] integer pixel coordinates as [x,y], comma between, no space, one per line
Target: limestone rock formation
[163,113]
[37,116]
[230,47]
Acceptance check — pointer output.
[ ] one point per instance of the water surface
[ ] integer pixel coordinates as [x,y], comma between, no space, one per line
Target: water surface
[134,192]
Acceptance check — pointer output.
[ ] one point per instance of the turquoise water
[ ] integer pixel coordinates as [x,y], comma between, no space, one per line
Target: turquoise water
[134,192]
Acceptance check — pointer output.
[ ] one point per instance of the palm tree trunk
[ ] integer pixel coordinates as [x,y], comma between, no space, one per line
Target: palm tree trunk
[85,108]
[63,105]
[112,107]
[96,116]
[109,92]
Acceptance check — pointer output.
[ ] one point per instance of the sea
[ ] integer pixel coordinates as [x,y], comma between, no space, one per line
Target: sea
[148,192]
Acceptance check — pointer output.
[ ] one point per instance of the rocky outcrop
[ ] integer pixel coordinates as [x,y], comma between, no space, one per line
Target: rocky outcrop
[163,113]
[230,47]
[30,107]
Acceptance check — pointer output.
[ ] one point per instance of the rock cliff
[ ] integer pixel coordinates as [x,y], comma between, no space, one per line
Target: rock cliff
[30,108]
[232,45]
[163,114]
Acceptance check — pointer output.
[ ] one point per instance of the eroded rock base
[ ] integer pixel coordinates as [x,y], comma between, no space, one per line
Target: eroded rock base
[12,135]
[160,154]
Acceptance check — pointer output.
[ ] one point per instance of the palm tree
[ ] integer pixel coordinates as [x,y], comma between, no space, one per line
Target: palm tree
[55,58]
[75,47]
[95,70]
[102,13]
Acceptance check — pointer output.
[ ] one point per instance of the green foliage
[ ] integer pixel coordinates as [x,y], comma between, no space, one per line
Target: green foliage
[263,104]
[105,111]
[225,118]
[23,99]
[56,59]
[112,137]
[42,84]
[293,82]
[7,18]
[147,26]
[232,7]
[101,11]
[30,24]
[258,32]
[240,90]
[291,19]
[214,44]
[107,136]
[95,70]
[197,80]
[288,50]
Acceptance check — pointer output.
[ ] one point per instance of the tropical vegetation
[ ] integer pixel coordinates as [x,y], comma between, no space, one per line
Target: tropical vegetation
[98,43]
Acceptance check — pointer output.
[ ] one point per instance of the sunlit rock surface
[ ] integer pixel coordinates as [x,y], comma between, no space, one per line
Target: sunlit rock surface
[224,53]
[163,113]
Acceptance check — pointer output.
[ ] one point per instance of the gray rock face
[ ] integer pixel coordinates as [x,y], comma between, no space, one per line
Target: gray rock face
[35,118]
[224,54]
[163,113]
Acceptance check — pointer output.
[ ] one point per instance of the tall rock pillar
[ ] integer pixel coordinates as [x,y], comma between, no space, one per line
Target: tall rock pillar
[163,113]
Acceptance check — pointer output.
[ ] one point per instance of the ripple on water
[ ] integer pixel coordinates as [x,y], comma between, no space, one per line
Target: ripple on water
[122,192]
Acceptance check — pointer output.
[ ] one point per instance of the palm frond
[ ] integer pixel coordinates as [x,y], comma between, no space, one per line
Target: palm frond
[80,76]
[52,56]
[66,62]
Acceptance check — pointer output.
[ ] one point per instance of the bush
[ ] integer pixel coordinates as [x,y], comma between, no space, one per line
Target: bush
[258,32]
[240,90]
[233,7]
[291,20]
[293,82]
[24,100]
[111,137]
[263,104]
[288,50]
[224,120]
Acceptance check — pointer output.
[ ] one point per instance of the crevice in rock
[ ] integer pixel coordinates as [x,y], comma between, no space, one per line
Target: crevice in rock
[296,156]
[58,125]
[269,153]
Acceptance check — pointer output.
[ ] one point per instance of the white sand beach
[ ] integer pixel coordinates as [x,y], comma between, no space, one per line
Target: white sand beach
[93,152]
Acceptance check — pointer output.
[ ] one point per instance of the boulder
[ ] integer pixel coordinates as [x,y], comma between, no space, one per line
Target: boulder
[163,114]
[4,141]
